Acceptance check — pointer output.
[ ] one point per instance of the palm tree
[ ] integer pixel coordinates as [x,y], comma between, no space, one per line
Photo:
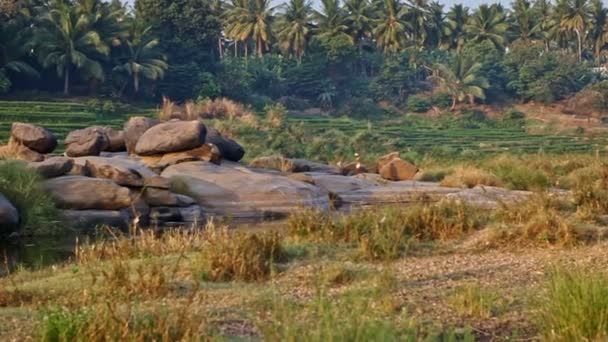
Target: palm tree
[462,80]
[454,30]
[16,43]
[262,15]
[524,25]
[415,13]
[65,40]
[359,19]
[488,23]
[140,57]
[236,19]
[294,27]
[390,29]
[331,24]
[435,25]
[598,33]
[547,25]
[575,18]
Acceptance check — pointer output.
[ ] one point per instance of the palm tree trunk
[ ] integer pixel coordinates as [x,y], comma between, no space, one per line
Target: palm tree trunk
[136,82]
[453,107]
[259,46]
[246,50]
[219,45]
[236,48]
[66,81]
[580,43]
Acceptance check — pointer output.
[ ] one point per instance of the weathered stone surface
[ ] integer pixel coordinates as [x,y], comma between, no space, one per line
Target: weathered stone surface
[398,170]
[116,140]
[303,165]
[206,152]
[77,192]
[302,177]
[91,219]
[489,197]
[173,136]
[9,217]
[354,168]
[53,167]
[122,171]
[135,128]
[236,191]
[15,150]
[385,159]
[34,137]
[230,149]
[164,198]
[278,163]
[86,142]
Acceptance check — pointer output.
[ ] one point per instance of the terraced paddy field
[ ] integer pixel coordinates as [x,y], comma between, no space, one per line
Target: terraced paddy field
[422,136]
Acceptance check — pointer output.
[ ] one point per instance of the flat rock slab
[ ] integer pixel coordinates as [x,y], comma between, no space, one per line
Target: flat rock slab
[489,197]
[90,219]
[78,192]
[9,217]
[235,191]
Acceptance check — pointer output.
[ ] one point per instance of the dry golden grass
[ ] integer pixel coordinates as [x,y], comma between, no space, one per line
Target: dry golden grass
[469,177]
[220,108]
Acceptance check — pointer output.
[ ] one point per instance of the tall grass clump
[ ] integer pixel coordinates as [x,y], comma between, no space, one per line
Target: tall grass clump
[475,301]
[113,322]
[24,188]
[227,256]
[470,177]
[386,233]
[575,307]
[517,173]
[541,220]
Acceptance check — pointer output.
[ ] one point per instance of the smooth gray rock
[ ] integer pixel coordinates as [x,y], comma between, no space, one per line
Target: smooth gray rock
[134,129]
[53,167]
[91,219]
[78,192]
[172,136]
[9,217]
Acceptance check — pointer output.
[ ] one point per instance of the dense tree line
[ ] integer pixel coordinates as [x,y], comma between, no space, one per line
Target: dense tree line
[252,51]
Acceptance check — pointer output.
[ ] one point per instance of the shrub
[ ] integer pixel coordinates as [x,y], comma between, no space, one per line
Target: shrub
[5,82]
[441,100]
[470,177]
[24,188]
[207,86]
[239,256]
[276,115]
[575,307]
[417,104]
[516,173]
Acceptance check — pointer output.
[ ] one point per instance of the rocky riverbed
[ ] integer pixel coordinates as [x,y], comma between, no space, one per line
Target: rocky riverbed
[180,173]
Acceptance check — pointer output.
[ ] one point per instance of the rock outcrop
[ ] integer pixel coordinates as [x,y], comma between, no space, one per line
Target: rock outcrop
[80,193]
[230,149]
[173,136]
[235,191]
[134,129]
[36,138]
[53,167]
[86,142]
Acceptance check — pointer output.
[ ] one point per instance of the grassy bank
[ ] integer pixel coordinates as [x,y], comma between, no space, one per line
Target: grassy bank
[436,272]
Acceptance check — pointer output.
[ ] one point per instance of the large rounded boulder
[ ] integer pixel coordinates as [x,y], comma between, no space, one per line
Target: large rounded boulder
[230,149]
[9,217]
[172,136]
[36,138]
[80,193]
[86,142]
[135,128]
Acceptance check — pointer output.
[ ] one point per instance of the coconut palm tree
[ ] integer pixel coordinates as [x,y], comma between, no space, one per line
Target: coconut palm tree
[391,29]
[331,24]
[454,30]
[462,80]
[547,25]
[575,18]
[65,39]
[140,57]
[294,27]
[435,25]
[415,12]
[598,34]
[251,19]
[236,19]
[488,23]
[359,18]
[524,23]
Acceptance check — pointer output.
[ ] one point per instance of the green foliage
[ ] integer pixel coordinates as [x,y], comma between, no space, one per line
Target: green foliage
[441,100]
[395,80]
[5,83]
[180,82]
[418,104]
[24,188]
[208,87]
[575,306]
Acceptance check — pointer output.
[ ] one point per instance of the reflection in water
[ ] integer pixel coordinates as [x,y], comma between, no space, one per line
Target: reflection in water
[34,253]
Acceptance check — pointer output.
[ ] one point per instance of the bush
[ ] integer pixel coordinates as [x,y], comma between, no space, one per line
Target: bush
[276,115]
[5,82]
[470,177]
[441,100]
[24,188]
[239,256]
[207,87]
[575,307]
[417,104]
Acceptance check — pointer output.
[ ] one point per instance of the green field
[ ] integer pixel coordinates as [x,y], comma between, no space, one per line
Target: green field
[422,136]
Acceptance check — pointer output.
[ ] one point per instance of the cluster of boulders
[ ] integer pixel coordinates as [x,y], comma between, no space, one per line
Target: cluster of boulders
[183,172]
